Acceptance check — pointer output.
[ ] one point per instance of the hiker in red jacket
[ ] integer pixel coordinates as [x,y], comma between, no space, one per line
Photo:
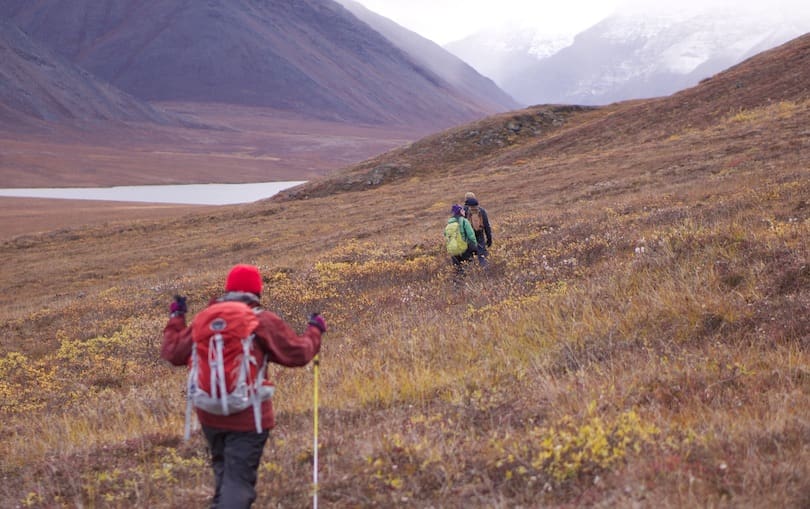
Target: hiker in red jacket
[235,445]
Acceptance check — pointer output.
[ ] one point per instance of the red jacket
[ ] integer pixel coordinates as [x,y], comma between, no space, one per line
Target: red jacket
[273,335]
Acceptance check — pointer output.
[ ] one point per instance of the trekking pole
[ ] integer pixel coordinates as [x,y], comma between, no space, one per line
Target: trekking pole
[315,363]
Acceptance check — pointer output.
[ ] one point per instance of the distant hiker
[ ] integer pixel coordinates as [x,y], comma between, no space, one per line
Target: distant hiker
[477,216]
[213,348]
[459,239]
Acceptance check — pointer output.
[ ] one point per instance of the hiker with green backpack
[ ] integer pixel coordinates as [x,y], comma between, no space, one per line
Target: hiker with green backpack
[227,348]
[459,239]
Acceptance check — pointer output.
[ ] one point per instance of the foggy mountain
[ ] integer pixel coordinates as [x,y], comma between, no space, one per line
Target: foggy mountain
[438,60]
[630,55]
[309,56]
[503,51]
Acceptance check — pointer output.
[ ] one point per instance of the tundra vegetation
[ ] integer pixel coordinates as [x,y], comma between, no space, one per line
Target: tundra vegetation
[640,339]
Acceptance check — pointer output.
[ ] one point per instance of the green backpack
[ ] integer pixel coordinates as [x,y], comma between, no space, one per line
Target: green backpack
[454,240]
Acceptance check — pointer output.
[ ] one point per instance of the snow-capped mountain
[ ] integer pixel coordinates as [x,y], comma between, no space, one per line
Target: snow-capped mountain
[633,54]
[498,52]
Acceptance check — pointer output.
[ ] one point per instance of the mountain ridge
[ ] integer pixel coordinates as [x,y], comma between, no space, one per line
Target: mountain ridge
[433,57]
[638,53]
[40,87]
[310,56]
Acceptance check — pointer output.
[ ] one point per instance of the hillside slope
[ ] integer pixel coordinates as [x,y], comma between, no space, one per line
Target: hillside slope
[758,82]
[640,338]
[310,56]
[437,60]
[38,85]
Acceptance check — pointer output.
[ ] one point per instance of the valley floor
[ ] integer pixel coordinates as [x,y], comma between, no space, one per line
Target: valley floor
[22,216]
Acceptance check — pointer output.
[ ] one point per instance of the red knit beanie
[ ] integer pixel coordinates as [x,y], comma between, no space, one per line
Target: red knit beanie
[244,278]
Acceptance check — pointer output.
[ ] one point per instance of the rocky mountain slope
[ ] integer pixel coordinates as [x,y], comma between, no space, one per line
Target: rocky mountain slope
[310,56]
[39,86]
[438,60]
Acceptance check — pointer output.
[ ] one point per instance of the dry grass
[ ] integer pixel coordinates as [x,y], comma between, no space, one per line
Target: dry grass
[640,339]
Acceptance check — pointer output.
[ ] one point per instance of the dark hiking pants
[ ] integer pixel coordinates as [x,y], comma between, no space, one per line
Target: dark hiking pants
[482,248]
[235,457]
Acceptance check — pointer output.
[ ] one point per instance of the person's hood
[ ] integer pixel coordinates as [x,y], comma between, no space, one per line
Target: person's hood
[251,299]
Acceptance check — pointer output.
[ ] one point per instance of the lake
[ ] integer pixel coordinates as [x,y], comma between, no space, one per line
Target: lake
[189,194]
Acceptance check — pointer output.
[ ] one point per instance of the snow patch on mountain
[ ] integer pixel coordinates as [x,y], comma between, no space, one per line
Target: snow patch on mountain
[644,51]
[493,52]
[683,39]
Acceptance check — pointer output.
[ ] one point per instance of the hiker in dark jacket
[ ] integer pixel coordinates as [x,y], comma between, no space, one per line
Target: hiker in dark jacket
[235,446]
[477,216]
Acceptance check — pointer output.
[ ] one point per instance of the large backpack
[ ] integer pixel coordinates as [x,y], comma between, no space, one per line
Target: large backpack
[454,239]
[227,369]
[475,217]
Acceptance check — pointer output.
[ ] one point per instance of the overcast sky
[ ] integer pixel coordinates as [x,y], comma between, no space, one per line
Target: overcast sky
[445,21]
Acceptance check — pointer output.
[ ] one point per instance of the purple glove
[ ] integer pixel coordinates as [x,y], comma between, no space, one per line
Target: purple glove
[178,307]
[316,320]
